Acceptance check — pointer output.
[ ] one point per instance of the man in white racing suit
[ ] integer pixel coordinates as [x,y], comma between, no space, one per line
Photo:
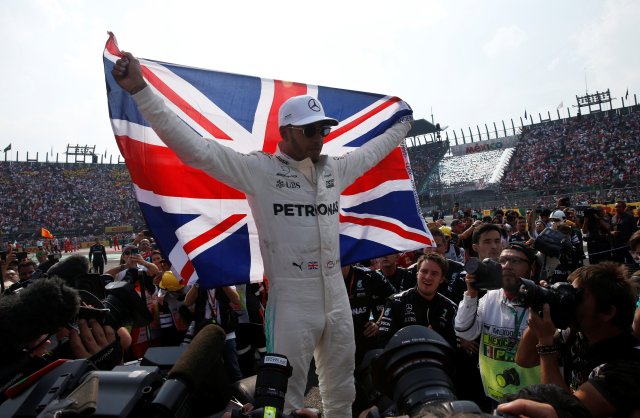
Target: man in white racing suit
[294,198]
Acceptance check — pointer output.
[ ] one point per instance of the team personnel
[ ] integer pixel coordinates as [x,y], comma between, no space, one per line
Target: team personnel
[362,286]
[294,197]
[421,305]
[98,256]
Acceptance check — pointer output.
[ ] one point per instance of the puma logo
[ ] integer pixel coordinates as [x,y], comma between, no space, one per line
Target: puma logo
[298,265]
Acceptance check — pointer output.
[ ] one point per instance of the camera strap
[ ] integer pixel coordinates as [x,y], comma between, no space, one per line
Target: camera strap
[516,326]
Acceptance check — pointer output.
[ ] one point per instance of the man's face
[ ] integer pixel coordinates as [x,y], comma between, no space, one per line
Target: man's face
[587,315]
[12,276]
[458,228]
[298,145]
[635,253]
[521,225]
[25,272]
[429,278]
[388,260]
[489,245]
[620,207]
[145,245]
[540,226]
[515,265]
[440,248]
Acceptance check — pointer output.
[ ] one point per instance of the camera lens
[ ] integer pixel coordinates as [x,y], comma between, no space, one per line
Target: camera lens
[126,307]
[414,369]
[271,381]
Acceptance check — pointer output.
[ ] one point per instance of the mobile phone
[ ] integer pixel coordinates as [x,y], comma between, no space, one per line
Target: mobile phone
[3,255]
[146,233]
[21,255]
[135,251]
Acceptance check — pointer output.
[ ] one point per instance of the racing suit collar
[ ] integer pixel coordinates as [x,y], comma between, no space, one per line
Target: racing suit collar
[306,166]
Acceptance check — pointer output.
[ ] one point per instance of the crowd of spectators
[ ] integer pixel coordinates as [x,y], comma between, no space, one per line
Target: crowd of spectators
[67,199]
[584,151]
[477,168]
[424,158]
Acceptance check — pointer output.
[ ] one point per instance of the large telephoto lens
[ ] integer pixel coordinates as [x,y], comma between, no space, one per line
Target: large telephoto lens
[271,381]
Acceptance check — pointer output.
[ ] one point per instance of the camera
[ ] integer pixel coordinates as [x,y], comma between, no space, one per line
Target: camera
[54,257]
[590,212]
[181,381]
[21,255]
[271,387]
[488,273]
[553,243]
[413,369]
[120,306]
[561,297]
[135,251]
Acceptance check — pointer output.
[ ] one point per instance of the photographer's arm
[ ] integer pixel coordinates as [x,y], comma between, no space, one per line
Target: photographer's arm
[469,231]
[468,321]
[545,331]
[527,355]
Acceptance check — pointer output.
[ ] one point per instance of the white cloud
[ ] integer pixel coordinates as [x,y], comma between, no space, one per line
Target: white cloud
[505,39]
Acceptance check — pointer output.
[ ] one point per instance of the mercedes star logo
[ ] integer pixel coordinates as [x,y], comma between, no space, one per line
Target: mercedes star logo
[313,105]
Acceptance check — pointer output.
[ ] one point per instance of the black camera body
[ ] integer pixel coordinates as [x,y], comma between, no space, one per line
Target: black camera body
[488,273]
[561,297]
[553,243]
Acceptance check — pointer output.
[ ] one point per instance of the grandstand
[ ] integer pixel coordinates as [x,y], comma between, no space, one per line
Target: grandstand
[593,157]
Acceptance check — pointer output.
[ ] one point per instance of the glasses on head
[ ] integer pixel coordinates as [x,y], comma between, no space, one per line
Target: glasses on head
[310,131]
[513,260]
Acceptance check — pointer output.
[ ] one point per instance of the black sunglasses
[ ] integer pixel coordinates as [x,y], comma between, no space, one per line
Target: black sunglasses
[310,131]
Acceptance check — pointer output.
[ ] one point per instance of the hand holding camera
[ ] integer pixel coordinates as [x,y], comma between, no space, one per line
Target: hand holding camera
[90,338]
[542,326]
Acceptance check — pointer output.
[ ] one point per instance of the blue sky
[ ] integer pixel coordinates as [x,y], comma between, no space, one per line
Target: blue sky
[470,62]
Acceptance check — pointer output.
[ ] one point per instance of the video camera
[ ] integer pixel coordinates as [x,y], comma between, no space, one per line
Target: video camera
[167,382]
[553,243]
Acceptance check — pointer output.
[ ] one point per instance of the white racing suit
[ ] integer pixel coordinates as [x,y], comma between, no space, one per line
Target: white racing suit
[295,205]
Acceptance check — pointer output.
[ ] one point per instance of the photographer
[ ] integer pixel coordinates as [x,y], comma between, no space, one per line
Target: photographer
[599,356]
[500,323]
[35,321]
[596,231]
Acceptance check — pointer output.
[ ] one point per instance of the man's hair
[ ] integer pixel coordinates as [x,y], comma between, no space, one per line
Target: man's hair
[564,201]
[524,250]
[436,232]
[634,241]
[609,284]
[27,263]
[436,258]
[484,228]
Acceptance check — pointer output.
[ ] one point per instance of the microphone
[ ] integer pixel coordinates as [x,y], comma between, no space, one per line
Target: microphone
[41,308]
[187,377]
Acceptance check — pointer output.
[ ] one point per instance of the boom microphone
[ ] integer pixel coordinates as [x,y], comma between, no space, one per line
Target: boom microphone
[41,308]
[200,362]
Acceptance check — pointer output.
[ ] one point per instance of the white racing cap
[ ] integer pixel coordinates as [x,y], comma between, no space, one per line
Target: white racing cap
[303,110]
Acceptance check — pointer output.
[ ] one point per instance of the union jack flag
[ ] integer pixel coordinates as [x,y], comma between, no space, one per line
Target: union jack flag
[312,265]
[205,227]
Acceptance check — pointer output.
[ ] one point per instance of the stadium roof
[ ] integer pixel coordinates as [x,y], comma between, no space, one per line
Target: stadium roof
[421,127]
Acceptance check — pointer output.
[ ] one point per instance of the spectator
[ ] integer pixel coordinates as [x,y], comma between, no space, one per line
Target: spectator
[623,225]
